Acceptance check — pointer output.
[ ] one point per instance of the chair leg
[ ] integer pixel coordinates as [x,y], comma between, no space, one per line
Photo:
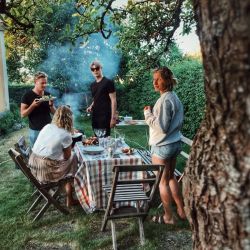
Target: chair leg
[51,200]
[159,206]
[35,203]
[141,229]
[105,219]
[42,211]
[113,235]
[181,177]
[35,193]
[140,221]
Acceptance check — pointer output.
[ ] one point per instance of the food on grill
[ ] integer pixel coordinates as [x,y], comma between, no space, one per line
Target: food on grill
[47,98]
[90,141]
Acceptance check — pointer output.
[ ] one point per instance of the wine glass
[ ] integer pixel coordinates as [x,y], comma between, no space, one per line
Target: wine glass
[122,138]
[100,133]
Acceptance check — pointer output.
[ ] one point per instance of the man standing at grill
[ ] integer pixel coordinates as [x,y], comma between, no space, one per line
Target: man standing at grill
[38,112]
[103,107]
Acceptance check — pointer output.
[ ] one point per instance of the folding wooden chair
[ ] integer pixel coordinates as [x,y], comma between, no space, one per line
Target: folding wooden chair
[48,192]
[130,190]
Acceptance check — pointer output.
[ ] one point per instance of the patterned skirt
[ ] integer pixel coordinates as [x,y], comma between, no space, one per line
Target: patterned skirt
[46,170]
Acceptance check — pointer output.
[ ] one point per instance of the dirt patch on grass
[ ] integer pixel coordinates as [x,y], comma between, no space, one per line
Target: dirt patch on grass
[33,245]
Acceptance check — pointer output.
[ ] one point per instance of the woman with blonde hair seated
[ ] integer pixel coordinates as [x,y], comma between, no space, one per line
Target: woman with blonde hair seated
[52,159]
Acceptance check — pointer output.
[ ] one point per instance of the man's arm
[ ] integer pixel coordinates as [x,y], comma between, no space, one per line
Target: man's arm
[52,107]
[113,109]
[89,109]
[25,109]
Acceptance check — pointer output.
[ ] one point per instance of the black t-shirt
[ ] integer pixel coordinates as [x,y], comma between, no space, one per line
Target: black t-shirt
[40,116]
[102,104]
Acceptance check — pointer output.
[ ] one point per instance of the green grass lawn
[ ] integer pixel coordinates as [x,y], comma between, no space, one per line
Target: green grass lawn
[76,230]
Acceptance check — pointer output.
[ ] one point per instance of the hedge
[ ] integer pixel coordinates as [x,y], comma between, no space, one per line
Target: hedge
[17,91]
[11,120]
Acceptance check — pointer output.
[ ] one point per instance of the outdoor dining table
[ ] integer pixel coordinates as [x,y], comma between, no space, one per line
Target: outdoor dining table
[94,172]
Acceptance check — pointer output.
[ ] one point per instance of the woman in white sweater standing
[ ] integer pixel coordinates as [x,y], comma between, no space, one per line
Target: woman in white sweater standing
[52,158]
[165,122]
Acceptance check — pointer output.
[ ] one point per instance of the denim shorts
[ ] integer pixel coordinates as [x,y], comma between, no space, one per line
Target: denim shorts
[167,151]
[33,134]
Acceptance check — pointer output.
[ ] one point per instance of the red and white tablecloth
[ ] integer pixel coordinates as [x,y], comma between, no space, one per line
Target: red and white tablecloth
[96,171]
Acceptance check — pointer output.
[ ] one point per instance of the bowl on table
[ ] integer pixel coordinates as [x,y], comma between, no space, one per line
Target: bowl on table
[128,119]
[76,137]
[128,151]
[90,141]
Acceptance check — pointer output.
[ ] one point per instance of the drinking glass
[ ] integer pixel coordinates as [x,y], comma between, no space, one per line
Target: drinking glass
[106,145]
[122,138]
[102,142]
[100,133]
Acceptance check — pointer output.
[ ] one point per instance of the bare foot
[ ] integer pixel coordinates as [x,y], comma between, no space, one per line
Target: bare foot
[169,221]
[72,203]
[181,213]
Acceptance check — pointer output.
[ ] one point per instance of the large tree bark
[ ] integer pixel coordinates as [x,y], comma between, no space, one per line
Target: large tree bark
[216,186]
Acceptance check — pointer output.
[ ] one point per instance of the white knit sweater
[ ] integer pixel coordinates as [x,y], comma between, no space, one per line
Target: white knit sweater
[166,120]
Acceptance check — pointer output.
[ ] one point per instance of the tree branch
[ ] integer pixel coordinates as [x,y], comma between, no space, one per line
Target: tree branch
[102,23]
[23,26]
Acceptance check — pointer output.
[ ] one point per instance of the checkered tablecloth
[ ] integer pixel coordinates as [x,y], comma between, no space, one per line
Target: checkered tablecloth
[96,171]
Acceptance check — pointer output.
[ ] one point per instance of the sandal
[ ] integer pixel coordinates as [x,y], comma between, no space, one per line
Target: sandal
[155,219]
[160,220]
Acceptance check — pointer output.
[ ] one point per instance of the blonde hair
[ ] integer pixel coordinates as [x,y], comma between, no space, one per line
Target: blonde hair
[96,63]
[168,76]
[63,118]
[39,75]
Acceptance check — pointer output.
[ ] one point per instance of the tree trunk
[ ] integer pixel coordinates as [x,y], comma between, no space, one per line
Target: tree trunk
[216,185]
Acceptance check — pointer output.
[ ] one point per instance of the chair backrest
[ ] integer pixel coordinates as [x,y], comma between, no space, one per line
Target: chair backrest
[153,181]
[131,190]
[22,148]
[18,159]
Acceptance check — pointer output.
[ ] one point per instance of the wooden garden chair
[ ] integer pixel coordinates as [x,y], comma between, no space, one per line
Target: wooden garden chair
[130,190]
[48,192]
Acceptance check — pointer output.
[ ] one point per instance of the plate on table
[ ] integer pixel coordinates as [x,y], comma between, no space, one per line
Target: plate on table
[140,122]
[93,150]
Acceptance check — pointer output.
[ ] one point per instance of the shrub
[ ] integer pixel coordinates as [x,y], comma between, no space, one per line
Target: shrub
[17,91]
[10,119]
[190,89]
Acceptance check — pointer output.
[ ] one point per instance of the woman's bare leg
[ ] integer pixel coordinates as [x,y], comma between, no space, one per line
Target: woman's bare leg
[169,189]
[174,187]
[70,201]
[165,191]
